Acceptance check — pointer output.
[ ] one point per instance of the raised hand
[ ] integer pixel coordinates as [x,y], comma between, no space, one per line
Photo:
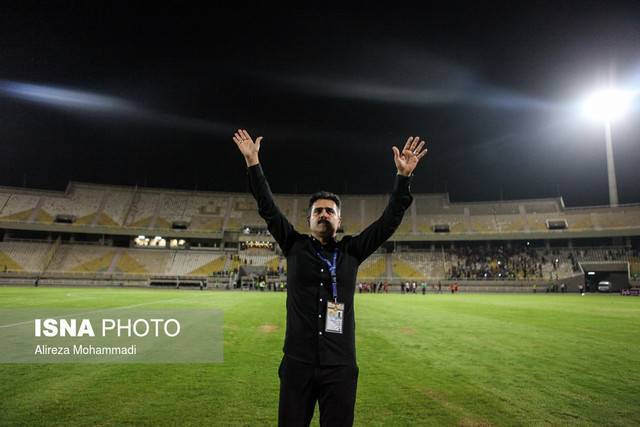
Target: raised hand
[247,147]
[407,160]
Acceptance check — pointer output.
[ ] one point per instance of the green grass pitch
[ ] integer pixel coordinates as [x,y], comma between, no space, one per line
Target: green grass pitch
[466,359]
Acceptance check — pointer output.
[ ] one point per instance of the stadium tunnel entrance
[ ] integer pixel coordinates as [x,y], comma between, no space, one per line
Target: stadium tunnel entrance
[615,272]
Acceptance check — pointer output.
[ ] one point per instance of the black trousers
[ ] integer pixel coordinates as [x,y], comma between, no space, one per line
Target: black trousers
[301,385]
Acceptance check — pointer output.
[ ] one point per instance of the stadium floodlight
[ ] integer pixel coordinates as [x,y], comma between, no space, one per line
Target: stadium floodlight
[608,105]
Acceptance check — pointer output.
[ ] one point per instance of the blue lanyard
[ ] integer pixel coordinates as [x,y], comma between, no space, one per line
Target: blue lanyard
[332,269]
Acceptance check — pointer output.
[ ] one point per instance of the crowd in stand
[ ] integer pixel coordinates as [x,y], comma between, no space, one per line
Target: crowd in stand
[498,263]
[524,262]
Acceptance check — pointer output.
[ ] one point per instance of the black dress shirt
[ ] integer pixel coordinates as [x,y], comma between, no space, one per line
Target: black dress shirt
[309,280]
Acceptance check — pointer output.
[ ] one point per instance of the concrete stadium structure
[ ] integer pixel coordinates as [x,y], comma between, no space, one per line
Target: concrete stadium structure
[85,235]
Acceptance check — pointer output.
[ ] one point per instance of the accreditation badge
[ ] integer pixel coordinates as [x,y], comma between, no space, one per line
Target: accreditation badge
[335,316]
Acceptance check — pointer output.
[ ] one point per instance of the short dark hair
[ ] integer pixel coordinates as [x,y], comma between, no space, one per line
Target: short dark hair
[323,195]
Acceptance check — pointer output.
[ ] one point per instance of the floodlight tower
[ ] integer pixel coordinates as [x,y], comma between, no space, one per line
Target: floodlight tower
[608,105]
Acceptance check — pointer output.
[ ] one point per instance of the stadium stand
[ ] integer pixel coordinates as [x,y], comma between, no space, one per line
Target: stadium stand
[257,257]
[206,213]
[618,218]
[373,208]
[19,207]
[299,215]
[505,263]
[482,224]
[23,256]
[195,263]
[83,259]
[538,222]
[422,265]
[244,213]
[143,261]
[143,209]
[579,221]
[458,263]
[172,208]
[511,223]
[406,226]
[425,224]
[110,206]
[80,202]
[286,204]
[430,204]
[542,206]
[352,214]
[4,199]
[404,269]
[114,208]
[373,268]
[472,243]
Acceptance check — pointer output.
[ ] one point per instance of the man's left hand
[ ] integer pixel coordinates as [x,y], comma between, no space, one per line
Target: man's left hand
[411,154]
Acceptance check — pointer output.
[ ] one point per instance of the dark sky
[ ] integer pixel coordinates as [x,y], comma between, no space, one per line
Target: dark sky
[493,89]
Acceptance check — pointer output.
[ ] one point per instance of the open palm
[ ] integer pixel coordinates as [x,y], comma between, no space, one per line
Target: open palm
[407,160]
[247,147]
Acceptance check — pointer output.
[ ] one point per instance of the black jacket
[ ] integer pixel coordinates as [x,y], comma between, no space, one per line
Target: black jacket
[308,278]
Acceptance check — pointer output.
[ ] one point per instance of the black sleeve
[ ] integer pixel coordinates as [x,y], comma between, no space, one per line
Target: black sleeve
[366,243]
[278,225]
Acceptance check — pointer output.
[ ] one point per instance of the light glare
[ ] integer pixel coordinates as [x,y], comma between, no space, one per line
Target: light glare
[608,104]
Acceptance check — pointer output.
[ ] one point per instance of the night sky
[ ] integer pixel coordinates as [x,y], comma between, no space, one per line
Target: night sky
[152,97]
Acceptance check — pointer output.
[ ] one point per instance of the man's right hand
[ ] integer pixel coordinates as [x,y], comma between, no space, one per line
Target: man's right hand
[247,147]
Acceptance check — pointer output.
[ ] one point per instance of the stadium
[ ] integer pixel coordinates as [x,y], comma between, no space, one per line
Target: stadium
[117,236]
[72,248]
[147,278]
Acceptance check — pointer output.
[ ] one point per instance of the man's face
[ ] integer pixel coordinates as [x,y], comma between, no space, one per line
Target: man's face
[325,218]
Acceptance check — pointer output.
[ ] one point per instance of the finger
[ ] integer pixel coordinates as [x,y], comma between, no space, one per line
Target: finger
[246,134]
[237,135]
[414,143]
[419,147]
[396,153]
[421,155]
[406,146]
[258,139]
[236,140]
